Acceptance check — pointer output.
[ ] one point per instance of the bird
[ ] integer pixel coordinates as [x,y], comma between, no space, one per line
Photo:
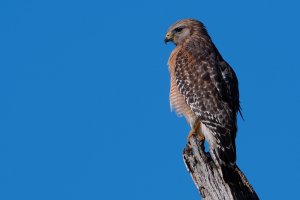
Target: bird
[204,89]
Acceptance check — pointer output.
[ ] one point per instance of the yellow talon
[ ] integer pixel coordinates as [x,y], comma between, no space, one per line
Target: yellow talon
[196,131]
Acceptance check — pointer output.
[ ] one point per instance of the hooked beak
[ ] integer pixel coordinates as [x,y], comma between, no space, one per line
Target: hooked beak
[169,37]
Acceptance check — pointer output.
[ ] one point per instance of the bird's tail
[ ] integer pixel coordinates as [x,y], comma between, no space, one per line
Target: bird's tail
[230,175]
[227,168]
[225,156]
[223,151]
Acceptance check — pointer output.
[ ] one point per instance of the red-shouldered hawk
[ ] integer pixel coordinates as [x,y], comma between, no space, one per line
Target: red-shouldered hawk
[204,88]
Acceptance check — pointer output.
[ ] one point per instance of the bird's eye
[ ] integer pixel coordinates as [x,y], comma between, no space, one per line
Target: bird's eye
[178,29]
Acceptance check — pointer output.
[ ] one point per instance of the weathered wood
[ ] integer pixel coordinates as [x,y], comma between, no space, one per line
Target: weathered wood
[207,178]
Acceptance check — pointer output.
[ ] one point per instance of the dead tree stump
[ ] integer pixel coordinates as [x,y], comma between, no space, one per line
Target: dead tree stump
[207,178]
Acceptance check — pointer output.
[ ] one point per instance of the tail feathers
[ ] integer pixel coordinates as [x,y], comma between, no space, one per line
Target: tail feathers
[225,158]
[230,175]
[223,151]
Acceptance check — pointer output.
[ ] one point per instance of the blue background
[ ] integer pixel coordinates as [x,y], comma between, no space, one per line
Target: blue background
[84,110]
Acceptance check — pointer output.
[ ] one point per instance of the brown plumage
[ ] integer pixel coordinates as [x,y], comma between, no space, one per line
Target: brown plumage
[177,101]
[204,88]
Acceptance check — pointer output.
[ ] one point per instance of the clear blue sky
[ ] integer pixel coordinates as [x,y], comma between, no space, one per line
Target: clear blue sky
[84,110]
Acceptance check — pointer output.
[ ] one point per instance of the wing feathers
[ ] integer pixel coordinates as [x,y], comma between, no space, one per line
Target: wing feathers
[209,92]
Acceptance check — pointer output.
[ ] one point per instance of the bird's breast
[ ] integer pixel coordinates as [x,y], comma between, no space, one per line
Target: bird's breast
[177,100]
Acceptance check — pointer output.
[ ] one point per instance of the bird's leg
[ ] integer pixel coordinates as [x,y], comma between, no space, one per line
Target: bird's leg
[196,131]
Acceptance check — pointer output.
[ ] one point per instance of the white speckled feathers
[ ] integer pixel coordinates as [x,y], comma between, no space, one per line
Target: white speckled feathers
[204,87]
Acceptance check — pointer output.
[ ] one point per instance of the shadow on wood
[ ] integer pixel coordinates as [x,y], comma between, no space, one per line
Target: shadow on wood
[207,178]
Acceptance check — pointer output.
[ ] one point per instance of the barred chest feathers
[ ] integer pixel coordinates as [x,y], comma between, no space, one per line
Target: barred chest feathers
[177,101]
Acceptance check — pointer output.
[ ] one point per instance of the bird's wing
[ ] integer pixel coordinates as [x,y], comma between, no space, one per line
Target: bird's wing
[231,81]
[203,87]
[201,83]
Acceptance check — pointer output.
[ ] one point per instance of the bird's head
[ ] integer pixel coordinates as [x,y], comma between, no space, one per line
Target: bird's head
[182,30]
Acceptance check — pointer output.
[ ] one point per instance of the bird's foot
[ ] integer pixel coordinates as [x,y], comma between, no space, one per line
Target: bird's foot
[196,131]
[200,136]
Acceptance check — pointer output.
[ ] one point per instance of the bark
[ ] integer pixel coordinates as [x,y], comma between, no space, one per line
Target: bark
[207,178]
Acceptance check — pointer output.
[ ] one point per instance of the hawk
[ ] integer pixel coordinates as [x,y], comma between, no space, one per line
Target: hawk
[204,88]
